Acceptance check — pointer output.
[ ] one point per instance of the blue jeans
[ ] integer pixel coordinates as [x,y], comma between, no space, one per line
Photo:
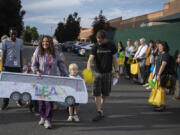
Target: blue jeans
[178,72]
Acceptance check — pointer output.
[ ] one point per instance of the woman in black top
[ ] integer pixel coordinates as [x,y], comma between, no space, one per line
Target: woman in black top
[161,70]
[120,47]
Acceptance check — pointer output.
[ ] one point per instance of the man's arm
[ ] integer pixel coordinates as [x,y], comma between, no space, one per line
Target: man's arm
[21,59]
[90,60]
[3,59]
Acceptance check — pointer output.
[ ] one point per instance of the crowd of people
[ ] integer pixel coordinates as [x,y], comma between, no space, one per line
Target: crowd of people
[152,57]
[47,60]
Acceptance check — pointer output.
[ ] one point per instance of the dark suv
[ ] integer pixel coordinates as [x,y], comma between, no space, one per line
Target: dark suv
[67,46]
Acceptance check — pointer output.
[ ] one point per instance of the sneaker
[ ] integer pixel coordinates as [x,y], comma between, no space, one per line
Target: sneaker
[18,104]
[145,85]
[148,88]
[99,116]
[47,124]
[76,118]
[70,118]
[41,122]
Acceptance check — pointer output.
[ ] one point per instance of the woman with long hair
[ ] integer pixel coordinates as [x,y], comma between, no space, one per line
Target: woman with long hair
[46,61]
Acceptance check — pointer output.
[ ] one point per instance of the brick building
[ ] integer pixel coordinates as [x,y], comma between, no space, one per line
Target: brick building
[85,33]
[170,8]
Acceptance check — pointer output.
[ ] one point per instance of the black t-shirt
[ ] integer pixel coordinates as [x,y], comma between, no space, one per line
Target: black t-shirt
[160,59]
[103,56]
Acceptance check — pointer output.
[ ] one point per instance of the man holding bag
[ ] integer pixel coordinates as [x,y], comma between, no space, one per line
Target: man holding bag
[103,53]
[141,58]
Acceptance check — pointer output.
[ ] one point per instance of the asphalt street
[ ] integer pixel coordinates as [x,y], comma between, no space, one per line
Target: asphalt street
[127,112]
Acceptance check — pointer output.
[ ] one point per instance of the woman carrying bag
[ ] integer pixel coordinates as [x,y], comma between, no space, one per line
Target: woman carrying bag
[161,70]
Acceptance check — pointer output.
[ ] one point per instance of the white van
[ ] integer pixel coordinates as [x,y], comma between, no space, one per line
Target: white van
[26,87]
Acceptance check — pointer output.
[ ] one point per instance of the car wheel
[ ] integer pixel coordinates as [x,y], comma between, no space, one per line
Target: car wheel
[15,96]
[70,100]
[26,97]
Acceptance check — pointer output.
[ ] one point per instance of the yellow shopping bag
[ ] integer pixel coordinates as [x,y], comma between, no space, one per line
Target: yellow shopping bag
[121,60]
[159,99]
[157,84]
[135,69]
[88,76]
[152,96]
[150,77]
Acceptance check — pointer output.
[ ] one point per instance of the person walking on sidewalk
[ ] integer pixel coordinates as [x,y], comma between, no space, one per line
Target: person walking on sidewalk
[104,55]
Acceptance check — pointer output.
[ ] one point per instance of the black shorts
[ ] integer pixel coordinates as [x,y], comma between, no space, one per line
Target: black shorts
[102,84]
[76,104]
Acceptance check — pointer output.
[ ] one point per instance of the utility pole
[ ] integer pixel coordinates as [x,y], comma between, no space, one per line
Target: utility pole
[51,30]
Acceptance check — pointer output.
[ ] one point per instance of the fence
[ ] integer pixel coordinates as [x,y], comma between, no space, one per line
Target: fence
[165,32]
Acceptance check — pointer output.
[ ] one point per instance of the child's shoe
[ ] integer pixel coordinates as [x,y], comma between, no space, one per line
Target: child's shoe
[70,118]
[76,118]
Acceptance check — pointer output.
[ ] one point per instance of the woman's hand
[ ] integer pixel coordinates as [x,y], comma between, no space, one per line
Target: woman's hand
[158,77]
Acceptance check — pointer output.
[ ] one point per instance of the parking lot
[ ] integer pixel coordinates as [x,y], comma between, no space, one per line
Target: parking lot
[126,112]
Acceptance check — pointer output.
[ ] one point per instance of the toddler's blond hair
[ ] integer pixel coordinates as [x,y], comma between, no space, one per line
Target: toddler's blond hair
[73,66]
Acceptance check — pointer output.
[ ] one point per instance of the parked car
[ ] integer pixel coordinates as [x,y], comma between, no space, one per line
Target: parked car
[27,87]
[78,46]
[85,49]
[68,46]
[35,43]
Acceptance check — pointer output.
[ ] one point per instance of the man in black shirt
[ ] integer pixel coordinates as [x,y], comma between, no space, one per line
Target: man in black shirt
[104,55]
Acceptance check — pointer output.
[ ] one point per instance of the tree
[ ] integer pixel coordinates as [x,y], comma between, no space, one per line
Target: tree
[11,15]
[69,30]
[34,33]
[59,33]
[30,34]
[100,22]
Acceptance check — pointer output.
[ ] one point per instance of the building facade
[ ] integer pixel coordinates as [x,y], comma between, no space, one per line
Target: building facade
[172,7]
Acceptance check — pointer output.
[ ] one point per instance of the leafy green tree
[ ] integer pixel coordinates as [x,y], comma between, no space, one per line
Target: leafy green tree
[11,15]
[69,30]
[34,33]
[30,34]
[100,22]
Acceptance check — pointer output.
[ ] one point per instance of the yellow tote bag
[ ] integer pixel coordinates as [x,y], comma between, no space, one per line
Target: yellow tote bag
[135,69]
[159,99]
[121,61]
[152,96]
[150,77]
[88,76]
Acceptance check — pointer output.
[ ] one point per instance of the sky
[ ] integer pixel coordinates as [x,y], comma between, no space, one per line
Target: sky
[46,14]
